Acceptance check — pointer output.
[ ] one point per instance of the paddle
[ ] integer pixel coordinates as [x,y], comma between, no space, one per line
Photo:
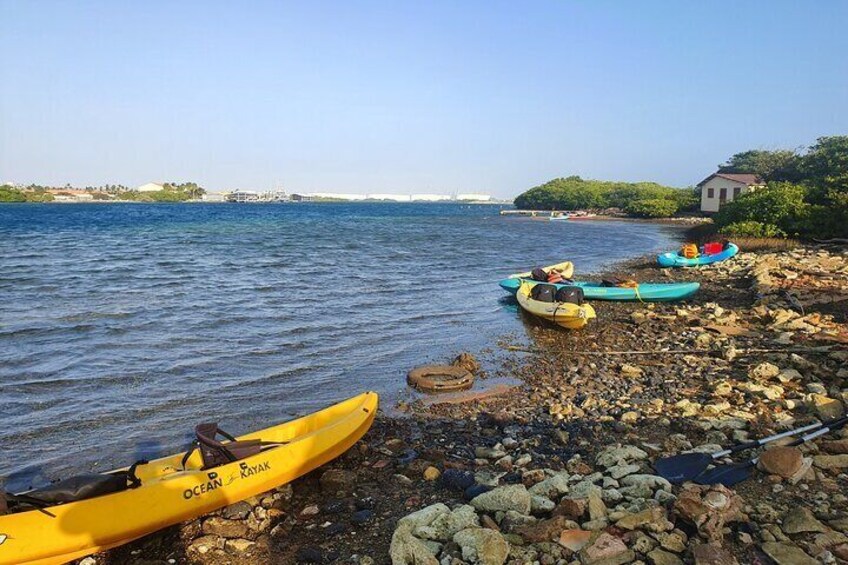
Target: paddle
[729,475]
[687,466]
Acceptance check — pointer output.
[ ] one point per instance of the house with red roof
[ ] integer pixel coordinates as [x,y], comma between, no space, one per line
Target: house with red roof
[719,188]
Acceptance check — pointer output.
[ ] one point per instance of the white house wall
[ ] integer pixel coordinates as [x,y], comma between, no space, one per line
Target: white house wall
[717,183]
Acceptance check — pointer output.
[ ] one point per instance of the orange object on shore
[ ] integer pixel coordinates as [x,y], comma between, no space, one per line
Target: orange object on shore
[690,251]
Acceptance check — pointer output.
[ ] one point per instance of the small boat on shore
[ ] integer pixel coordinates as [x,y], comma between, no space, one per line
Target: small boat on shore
[566,269]
[83,515]
[558,216]
[675,259]
[565,314]
[646,292]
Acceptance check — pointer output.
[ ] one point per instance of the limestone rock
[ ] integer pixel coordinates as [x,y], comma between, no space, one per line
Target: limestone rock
[652,519]
[782,461]
[482,546]
[660,557]
[606,549]
[764,371]
[787,554]
[444,526]
[552,487]
[502,499]
[224,528]
[800,520]
[827,408]
[616,454]
[406,549]
[709,554]
[831,462]
[544,530]
[709,508]
[574,539]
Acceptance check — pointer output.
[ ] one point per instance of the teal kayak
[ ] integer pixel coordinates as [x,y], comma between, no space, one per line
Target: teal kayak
[677,260]
[647,292]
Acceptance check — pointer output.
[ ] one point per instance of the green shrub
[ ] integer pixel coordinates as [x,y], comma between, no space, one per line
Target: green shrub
[779,204]
[752,229]
[10,194]
[651,208]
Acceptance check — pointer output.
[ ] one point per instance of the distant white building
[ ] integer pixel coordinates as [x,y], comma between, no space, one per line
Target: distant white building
[430,197]
[719,188]
[242,196]
[151,187]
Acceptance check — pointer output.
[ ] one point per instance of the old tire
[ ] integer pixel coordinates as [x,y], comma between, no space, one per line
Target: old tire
[439,378]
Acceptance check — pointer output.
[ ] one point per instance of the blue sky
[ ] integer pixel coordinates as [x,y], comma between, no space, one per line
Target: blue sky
[411,96]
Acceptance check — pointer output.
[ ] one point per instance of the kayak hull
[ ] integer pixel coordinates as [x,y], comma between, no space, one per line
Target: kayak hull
[569,316]
[169,495]
[676,260]
[647,292]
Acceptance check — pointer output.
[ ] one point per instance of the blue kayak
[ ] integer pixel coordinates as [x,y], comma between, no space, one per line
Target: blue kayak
[647,292]
[677,260]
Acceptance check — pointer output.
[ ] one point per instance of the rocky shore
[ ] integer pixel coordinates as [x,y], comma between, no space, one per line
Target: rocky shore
[558,470]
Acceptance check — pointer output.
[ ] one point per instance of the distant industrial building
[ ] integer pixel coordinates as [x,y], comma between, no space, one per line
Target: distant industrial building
[151,187]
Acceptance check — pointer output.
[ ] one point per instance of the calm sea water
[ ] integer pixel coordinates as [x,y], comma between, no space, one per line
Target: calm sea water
[122,326]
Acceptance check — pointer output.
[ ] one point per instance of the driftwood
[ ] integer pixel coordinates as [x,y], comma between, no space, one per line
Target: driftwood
[834,240]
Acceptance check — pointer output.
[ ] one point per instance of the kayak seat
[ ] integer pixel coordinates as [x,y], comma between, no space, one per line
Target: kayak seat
[215,453]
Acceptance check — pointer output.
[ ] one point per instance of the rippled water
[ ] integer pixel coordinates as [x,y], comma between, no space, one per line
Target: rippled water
[121,326]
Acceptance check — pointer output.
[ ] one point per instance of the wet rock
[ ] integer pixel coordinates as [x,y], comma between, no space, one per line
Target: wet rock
[787,554]
[660,557]
[455,479]
[708,508]
[502,499]
[309,555]
[362,516]
[782,461]
[337,480]
[482,546]
[475,490]
[800,520]
[710,554]
[468,362]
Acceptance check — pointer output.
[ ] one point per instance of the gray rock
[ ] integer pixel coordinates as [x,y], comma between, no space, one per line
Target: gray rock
[406,549]
[482,546]
[503,499]
[653,482]
[617,454]
[799,520]
[787,554]
[660,557]
[444,526]
[541,504]
[551,487]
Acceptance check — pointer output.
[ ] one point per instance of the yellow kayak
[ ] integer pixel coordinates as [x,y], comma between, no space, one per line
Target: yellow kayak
[566,269]
[565,314]
[171,492]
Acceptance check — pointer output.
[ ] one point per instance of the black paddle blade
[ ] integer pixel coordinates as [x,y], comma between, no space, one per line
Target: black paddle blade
[727,475]
[682,468]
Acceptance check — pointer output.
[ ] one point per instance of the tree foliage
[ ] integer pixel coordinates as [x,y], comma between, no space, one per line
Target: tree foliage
[575,193]
[814,203]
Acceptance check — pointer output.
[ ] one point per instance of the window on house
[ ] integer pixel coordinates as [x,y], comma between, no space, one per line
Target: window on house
[737,190]
[710,193]
[722,195]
